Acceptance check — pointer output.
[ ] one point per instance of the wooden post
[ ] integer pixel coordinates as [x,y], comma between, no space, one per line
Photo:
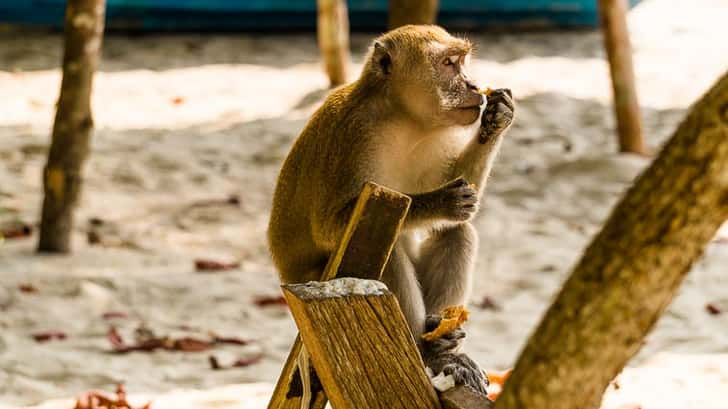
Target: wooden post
[632,269]
[360,344]
[333,39]
[362,252]
[84,28]
[613,16]
[402,12]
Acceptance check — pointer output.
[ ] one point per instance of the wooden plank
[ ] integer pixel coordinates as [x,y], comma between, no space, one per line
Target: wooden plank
[464,397]
[360,344]
[363,252]
[613,16]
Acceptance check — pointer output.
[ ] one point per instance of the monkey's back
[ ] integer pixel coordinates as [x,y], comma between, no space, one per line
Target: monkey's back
[308,181]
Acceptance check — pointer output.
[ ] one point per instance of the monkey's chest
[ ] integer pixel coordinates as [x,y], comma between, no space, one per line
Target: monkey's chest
[418,166]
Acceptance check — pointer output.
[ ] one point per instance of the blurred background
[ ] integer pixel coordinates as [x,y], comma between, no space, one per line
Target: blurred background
[195,105]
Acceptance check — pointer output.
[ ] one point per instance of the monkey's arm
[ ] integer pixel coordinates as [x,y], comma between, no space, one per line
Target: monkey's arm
[455,201]
[476,161]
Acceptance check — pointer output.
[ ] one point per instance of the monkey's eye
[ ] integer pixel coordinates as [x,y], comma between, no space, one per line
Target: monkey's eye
[452,60]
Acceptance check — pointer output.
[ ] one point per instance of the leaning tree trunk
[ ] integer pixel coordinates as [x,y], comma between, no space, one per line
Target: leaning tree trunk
[631,270]
[84,27]
[613,16]
[402,12]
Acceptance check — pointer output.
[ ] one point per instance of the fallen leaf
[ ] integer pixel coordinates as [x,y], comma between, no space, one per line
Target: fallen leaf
[240,363]
[147,342]
[229,340]
[117,342]
[49,335]
[95,399]
[188,344]
[713,309]
[213,363]
[266,300]
[243,362]
[487,303]
[27,288]
[205,265]
[110,315]
[16,231]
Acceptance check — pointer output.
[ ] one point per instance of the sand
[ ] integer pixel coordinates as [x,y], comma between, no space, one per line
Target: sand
[184,119]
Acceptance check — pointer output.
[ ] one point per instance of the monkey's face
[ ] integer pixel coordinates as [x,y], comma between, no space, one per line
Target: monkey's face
[426,70]
[459,97]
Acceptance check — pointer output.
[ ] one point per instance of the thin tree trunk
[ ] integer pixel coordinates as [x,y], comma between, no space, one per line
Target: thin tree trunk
[613,16]
[333,39]
[403,12]
[631,270]
[84,27]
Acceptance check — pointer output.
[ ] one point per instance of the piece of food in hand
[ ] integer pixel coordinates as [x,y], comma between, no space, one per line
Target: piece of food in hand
[485,91]
[496,380]
[452,318]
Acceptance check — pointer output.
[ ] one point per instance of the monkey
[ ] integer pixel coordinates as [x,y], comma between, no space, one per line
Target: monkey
[410,123]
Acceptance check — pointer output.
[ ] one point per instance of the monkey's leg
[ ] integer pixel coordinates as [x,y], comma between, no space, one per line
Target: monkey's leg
[399,276]
[445,273]
[445,266]
[476,161]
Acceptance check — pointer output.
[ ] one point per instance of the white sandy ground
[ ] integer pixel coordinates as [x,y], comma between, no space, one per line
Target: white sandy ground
[245,98]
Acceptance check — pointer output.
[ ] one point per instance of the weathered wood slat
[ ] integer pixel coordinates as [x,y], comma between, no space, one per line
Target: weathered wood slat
[360,344]
[363,252]
[464,397]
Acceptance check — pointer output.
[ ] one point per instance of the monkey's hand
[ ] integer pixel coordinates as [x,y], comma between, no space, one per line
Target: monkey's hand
[497,115]
[458,200]
[442,355]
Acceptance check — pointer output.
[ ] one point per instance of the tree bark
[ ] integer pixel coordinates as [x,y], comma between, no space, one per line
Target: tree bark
[333,39]
[613,16]
[403,12]
[84,27]
[632,269]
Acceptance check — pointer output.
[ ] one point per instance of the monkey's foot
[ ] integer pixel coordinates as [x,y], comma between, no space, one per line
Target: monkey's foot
[441,355]
[497,115]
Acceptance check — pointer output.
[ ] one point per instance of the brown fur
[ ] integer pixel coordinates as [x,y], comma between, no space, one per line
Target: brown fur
[410,123]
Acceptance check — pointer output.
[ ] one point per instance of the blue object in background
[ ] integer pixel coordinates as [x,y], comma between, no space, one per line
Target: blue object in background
[286,15]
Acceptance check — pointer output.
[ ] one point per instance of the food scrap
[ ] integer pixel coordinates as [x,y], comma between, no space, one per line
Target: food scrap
[496,381]
[452,318]
[101,400]
[485,91]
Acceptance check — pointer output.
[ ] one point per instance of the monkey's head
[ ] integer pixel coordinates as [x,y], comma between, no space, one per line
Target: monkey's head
[423,70]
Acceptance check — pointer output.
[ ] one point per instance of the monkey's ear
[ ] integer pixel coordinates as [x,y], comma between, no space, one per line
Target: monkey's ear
[382,58]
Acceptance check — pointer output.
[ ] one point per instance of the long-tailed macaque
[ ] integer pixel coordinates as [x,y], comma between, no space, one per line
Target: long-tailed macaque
[410,122]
